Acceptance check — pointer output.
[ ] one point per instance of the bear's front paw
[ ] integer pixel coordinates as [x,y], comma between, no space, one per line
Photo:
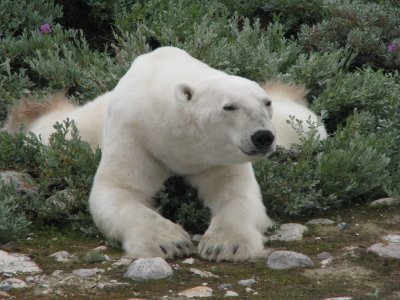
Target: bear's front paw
[232,246]
[168,240]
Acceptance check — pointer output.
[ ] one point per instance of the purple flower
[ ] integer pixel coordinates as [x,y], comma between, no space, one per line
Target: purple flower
[45,28]
[393,46]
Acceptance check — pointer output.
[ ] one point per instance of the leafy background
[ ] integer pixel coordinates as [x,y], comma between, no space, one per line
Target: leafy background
[347,53]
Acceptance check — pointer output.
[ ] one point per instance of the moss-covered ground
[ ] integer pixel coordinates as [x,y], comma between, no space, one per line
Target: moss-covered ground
[353,273]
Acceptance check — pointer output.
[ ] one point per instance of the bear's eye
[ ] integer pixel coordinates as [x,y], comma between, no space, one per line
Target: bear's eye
[230,107]
[268,103]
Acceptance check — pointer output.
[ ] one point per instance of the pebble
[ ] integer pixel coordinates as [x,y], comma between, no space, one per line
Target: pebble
[246,282]
[225,286]
[394,238]
[86,273]
[15,263]
[324,256]
[100,248]
[122,262]
[320,222]
[231,294]
[326,262]
[62,256]
[197,237]
[342,226]
[198,291]
[289,232]
[189,261]
[391,250]
[385,202]
[22,182]
[12,283]
[203,274]
[149,269]
[280,260]
[11,246]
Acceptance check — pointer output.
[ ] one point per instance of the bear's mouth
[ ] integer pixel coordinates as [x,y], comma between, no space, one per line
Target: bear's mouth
[256,152]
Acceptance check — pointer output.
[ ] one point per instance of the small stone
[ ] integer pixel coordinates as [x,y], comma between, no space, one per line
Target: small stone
[198,291]
[394,238]
[86,273]
[188,261]
[4,294]
[122,262]
[385,202]
[326,262]
[22,182]
[391,250]
[225,286]
[249,290]
[320,222]
[12,283]
[280,260]
[149,269]
[100,248]
[246,282]
[289,232]
[11,246]
[57,273]
[30,279]
[203,274]
[197,237]
[231,294]
[62,256]
[14,263]
[324,256]
[342,226]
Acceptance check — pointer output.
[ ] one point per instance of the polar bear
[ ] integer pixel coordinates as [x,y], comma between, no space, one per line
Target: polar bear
[171,114]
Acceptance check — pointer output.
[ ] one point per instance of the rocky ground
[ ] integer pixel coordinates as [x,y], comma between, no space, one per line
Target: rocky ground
[352,253]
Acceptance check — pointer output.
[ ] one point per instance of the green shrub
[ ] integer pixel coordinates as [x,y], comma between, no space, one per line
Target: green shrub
[338,49]
[13,221]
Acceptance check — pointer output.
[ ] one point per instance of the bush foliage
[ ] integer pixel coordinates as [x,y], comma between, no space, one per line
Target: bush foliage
[338,49]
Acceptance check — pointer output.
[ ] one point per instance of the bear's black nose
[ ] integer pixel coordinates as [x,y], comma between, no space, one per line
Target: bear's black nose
[262,139]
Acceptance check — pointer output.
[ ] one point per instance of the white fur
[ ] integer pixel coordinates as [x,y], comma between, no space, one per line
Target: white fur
[165,117]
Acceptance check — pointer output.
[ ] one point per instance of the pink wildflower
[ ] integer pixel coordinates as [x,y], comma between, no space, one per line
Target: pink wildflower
[393,46]
[45,28]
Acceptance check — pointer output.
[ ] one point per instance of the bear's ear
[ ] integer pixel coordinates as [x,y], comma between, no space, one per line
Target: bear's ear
[184,92]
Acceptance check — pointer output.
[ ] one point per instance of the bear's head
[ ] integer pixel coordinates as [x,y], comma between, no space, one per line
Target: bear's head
[228,120]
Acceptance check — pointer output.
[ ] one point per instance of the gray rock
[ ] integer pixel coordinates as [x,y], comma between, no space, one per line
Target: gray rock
[198,291]
[62,202]
[86,273]
[189,261]
[225,286]
[15,263]
[148,269]
[385,202]
[343,226]
[197,237]
[246,282]
[22,182]
[391,250]
[231,294]
[124,261]
[320,222]
[289,232]
[203,274]
[62,256]
[324,255]
[280,260]
[12,283]
[394,238]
